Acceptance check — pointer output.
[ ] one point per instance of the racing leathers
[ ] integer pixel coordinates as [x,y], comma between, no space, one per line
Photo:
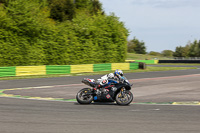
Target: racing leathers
[106,80]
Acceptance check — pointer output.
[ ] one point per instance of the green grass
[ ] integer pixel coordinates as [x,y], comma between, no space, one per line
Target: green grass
[180,64]
[168,68]
[132,56]
[149,69]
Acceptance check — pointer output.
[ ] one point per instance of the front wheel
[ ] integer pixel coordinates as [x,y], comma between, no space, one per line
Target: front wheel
[83,97]
[124,99]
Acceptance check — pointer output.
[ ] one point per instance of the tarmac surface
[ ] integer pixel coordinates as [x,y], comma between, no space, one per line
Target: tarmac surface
[22,115]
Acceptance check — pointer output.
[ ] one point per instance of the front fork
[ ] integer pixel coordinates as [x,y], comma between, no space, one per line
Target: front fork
[122,92]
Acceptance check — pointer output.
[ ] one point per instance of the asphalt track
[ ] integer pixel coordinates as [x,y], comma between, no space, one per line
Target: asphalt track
[26,115]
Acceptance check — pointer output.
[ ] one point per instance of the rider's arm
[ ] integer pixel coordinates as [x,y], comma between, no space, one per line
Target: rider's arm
[121,79]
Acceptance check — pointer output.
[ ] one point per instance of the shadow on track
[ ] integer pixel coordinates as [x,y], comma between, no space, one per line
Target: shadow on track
[102,103]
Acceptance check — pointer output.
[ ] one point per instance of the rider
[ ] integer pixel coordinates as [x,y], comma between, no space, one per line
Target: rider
[107,79]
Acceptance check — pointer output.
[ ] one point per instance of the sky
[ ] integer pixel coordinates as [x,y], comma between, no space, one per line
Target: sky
[161,24]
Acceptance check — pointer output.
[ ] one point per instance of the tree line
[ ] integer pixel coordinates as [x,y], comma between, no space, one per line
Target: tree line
[59,32]
[192,49]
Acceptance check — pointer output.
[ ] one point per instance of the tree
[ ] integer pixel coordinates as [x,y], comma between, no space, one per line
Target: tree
[198,48]
[154,53]
[194,49]
[167,53]
[96,7]
[136,46]
[30,37]
[179,51]
[24,29]
[190,50]
[62,10]
[131,47]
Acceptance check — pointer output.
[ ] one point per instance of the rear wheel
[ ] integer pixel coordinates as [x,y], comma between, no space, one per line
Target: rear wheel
[124,99]
[83,97]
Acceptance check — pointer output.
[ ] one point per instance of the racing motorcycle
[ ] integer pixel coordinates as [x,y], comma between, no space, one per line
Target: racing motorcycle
[113,92]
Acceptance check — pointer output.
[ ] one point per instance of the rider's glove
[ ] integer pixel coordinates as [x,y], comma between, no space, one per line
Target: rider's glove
[121,80]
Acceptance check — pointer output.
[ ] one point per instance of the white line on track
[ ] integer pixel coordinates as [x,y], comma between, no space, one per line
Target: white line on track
[131,80]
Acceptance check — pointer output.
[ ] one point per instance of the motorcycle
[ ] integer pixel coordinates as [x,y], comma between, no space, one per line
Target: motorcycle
[113,92]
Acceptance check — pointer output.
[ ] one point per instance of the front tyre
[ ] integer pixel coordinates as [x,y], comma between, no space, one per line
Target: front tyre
[124,99]
[83,97]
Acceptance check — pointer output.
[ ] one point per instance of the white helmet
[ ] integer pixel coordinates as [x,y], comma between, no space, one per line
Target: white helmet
[111,75]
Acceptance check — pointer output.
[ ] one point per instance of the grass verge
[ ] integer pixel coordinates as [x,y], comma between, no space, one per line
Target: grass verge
[180,64]
[132,56]
[149,69]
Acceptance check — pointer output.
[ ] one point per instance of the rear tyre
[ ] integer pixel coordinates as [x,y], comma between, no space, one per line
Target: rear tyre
[83,98]
[126,99]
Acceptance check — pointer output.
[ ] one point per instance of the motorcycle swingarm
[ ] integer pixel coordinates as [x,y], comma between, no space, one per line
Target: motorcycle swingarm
[88,93]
